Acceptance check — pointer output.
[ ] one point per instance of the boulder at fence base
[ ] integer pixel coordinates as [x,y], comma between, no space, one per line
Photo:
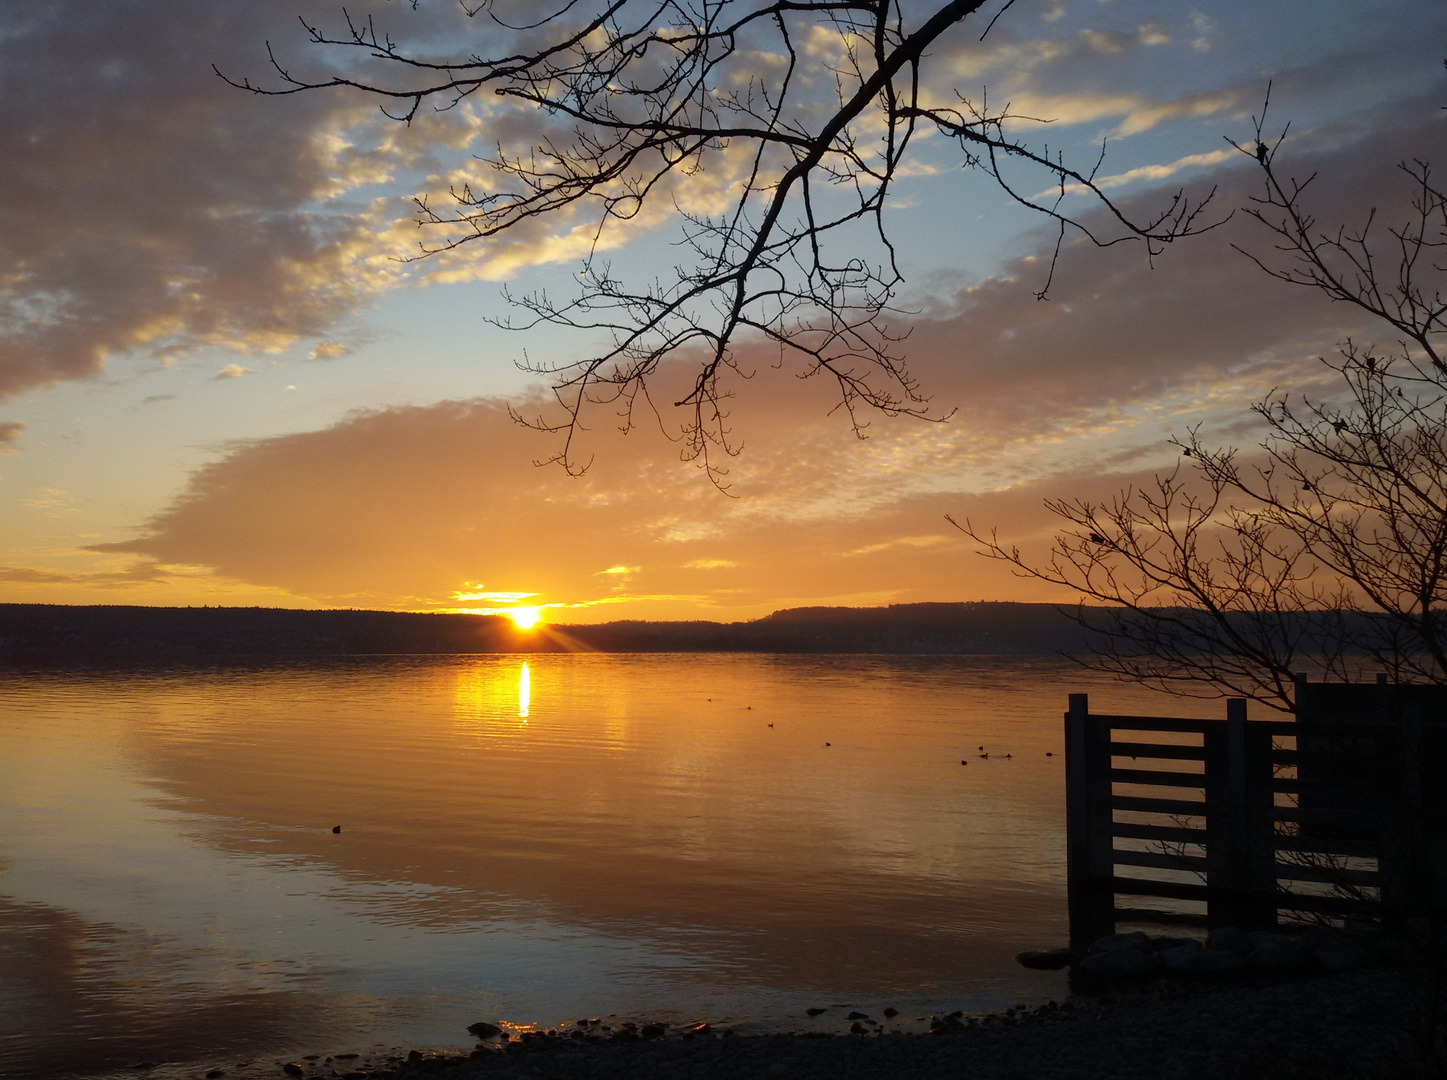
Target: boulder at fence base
[1121,961]
[1231,938]
[1179,957]
[1334,954]
[1277,951]
[1047,959]
[1210,961]
[1136,940]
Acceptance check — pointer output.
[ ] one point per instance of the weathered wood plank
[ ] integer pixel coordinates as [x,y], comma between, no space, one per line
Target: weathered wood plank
[1154,723]
[1167,890]
[1331,875]
[1323,816]
[1294,784]
[1161,860]
[1326,905]
[1365,849]
[1167,918]
[1166,834]
[1163,751]
[1158,778]
[1183,807]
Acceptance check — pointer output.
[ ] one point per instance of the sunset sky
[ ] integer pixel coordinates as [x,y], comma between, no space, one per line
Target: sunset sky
[218,384]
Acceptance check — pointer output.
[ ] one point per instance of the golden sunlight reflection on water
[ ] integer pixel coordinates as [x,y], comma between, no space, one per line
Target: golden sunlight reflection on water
[723,837]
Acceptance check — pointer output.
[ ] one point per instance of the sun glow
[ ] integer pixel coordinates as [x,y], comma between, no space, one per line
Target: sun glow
[525,618]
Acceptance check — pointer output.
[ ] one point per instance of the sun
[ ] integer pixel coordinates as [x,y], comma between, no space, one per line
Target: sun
[525,618]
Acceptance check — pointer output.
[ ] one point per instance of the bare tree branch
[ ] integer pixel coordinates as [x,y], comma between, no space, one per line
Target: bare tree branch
[1327,547]
[632,96]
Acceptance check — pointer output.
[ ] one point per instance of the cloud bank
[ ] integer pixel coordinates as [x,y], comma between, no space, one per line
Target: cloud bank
[418,506]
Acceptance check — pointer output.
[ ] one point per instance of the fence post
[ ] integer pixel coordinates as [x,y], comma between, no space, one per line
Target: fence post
[1405,857]
[1089,864]
[1254,824]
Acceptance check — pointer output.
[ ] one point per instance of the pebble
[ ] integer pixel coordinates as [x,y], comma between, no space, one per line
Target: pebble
[1169,1030]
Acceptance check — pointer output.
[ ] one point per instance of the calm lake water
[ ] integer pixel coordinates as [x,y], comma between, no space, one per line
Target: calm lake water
[531,839]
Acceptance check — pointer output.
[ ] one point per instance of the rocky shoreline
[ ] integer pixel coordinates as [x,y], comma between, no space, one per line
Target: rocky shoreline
[1356,1024]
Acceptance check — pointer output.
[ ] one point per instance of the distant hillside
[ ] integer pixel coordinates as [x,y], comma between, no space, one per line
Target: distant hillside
[899,628]
[51,632]
[45,633]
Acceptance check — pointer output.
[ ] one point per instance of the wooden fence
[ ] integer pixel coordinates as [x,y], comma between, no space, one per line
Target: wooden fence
[1241,822]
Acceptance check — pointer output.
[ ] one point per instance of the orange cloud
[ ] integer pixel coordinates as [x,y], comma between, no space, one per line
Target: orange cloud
[415,507]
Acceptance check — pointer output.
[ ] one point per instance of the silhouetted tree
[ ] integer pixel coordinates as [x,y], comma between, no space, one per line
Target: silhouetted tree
[628,96]
[1326,549]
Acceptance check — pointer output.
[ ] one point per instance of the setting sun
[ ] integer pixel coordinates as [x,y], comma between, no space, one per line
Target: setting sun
[525,618]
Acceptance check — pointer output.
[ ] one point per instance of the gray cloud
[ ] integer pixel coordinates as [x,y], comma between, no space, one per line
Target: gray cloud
[422,502]
[145,205]
[1122,330]
[10,431]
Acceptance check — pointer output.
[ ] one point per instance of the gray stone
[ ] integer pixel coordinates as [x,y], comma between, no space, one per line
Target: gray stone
[1180,956]
[1111,942]
[1209,960]
[1258,938]
[1334,954]
[1121,961]
[1278,952]
[1046,960]
[483,1030]
[1230,938]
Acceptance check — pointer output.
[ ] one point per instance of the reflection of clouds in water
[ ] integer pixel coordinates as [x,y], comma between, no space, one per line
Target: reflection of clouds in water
[133,926]
[493,698]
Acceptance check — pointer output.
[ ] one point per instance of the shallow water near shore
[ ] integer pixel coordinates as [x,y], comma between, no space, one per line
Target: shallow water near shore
[523,838]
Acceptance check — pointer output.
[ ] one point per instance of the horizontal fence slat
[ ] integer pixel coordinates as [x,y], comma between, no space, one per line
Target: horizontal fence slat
[1354,729]
[1323,816]
[1365,849]
[1159,860]
[1168,890]
[1276,727]
[1169,918]
[1316,785]
[1158,750]
[1331,875]
[1183,807]
[1166,834]
[1326,905]
[1357,757]
[1157,778]
[1156,723]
